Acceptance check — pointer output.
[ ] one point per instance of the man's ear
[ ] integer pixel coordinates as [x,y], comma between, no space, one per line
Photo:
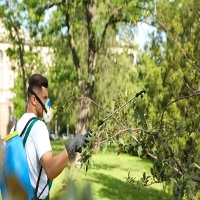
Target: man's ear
[33,100]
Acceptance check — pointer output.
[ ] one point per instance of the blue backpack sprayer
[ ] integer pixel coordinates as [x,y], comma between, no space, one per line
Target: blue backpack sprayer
[14,165]
[14,172]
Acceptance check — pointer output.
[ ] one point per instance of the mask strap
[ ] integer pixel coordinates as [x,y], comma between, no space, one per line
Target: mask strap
[33,93]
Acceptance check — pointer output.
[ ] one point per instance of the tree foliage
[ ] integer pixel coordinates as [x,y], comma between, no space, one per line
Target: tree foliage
[162,126]
[165,125]
[81,34]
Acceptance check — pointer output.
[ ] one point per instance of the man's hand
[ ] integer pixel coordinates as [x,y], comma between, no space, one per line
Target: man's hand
[76,144]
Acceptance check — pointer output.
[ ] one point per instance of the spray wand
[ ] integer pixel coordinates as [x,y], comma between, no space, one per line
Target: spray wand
[103,120]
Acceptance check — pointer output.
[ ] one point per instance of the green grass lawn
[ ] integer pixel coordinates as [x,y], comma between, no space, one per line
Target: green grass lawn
[107,178]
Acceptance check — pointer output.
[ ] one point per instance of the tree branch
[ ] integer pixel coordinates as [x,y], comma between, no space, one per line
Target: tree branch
[188,86]
[48,6]
[180,98]
[113,19]
[108,23]
[71,42]
[190,62]
[121,131]
[197,166]
[152,156]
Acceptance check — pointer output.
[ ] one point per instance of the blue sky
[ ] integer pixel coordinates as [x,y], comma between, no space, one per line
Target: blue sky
[142,33]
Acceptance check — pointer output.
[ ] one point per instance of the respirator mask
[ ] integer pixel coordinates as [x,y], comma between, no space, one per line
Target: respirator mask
[47,110]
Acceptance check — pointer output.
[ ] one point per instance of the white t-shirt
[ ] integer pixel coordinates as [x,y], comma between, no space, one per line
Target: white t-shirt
[37,144]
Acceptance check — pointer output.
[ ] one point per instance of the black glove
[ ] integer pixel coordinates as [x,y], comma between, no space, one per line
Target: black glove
[76,144]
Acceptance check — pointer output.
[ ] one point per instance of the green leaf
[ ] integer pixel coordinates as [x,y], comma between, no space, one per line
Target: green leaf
[121,141]
[140,149]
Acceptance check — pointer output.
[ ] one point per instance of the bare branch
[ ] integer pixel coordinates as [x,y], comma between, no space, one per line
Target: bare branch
[197,166]
[112,19]
[71,42]
[180,98]
[89,99]
[48,6]
[196,92]
[122,131]
[174,168]
[196,180]
[152,156]
[108,23]
[189,61]
[188,86]
[70,104]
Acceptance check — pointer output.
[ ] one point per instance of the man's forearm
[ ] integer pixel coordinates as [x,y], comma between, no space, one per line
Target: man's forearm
[54,166]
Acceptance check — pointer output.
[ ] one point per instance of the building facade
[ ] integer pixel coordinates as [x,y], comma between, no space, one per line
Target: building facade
[6,82]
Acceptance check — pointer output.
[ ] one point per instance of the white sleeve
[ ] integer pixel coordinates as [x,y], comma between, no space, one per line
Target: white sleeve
[41,139]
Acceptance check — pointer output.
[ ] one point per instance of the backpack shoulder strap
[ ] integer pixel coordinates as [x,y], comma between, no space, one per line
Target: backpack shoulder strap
[28,130]
[23,131]
[37,184]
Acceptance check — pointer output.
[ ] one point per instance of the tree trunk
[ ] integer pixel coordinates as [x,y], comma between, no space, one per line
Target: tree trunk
[88,87]
[82,118]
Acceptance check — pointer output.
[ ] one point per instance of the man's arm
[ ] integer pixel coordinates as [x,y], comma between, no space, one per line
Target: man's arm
[54,165]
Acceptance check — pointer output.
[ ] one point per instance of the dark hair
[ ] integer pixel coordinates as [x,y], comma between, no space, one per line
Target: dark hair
[36,81]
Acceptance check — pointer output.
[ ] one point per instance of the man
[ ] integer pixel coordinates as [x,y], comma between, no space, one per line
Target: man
[38,148]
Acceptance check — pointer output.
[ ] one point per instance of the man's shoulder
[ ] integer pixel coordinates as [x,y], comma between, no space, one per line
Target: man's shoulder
[22,122]
[39,126]
[40,123]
